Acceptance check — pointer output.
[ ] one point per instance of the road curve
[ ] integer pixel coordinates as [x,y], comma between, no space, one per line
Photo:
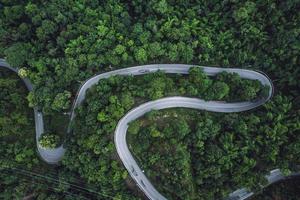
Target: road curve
[169,102]
[120,132]
[53,156]
[173,69]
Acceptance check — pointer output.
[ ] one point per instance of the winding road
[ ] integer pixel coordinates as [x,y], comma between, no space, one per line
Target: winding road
[53,156]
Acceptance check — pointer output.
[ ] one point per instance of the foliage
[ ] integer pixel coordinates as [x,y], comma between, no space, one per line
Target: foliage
[23,73]
[202,155]
[58,44]
[22,174]
[283,190]
[61,101]
[49,141]
[16,123]
[62,43]
[42,182]
[134,127]
[13,107]
[106,103]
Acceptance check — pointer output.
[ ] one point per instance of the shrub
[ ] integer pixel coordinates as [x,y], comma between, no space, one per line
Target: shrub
[49,141]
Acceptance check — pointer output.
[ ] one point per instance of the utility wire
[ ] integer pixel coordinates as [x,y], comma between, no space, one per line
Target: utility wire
[53,180]
[49,179]
[55,189]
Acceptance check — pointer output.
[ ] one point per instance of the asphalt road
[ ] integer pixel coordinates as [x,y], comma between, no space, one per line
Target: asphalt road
[53,156]
[121,129]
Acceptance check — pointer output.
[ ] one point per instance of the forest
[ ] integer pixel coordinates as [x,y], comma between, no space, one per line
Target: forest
[19,163]
[284,190]
[91,146]
[192,154]
[59,44]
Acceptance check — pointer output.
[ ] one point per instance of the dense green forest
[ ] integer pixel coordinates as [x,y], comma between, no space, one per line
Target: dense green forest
[22,173]
[192,154]
[58,44]
[284,190]
[91,150]
[61,43]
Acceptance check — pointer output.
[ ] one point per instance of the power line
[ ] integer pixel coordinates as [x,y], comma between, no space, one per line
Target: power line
[49,179]
[55,189]
[53,180]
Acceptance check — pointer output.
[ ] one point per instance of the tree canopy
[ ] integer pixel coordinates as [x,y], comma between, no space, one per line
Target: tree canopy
[59,44]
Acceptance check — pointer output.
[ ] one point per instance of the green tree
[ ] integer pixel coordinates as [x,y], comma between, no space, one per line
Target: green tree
[218,91]
[154,132]
[102,117]
[61,101]
[50,141]
[134,127]
[127,100]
